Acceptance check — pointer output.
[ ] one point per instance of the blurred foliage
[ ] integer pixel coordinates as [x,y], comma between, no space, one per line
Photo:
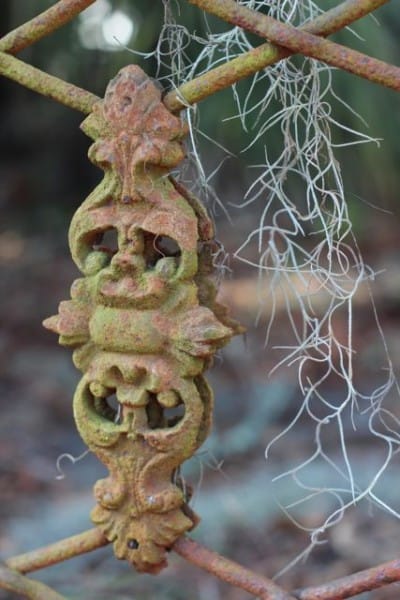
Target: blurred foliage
[43,165]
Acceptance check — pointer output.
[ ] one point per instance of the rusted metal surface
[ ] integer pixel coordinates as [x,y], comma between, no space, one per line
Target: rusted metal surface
[221,567]
[42,25]
[264,55]
[340,16]
[189,93]
[352,585]
[32,31]
[303,42]
[36,80]
[144,322]
[57,552]
[27,588]
[229,571]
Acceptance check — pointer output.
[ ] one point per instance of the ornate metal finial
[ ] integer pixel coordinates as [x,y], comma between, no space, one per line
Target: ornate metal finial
[143,321]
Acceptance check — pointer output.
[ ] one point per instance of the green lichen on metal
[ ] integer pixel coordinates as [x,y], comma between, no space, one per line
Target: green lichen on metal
[143,321]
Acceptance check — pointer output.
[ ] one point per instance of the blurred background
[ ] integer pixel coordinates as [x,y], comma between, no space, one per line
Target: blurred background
[45,175]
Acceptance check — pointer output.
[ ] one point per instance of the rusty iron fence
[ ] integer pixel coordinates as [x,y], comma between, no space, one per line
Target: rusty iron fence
[143,321]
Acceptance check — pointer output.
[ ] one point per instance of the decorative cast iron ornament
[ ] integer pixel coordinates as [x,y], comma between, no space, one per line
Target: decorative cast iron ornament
[143,321]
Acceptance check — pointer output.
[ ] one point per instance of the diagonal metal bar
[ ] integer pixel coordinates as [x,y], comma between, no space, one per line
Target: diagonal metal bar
[28,588]
[265,55]
[199,88]
[38,81]
[352,585]
[339,589]
[341,15]
[37,28]
[57,552]
[229,571]
[303,42]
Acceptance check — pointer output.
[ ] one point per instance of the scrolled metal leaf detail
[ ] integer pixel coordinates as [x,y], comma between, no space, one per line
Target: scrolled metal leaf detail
[144,322]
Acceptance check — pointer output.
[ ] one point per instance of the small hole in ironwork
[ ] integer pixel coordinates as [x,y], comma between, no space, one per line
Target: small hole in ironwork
[173,415]
[154,412]
[133,544]
[158,247]
[159,417]
[166,246]
[126,101]
[107,240]
[109,408]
